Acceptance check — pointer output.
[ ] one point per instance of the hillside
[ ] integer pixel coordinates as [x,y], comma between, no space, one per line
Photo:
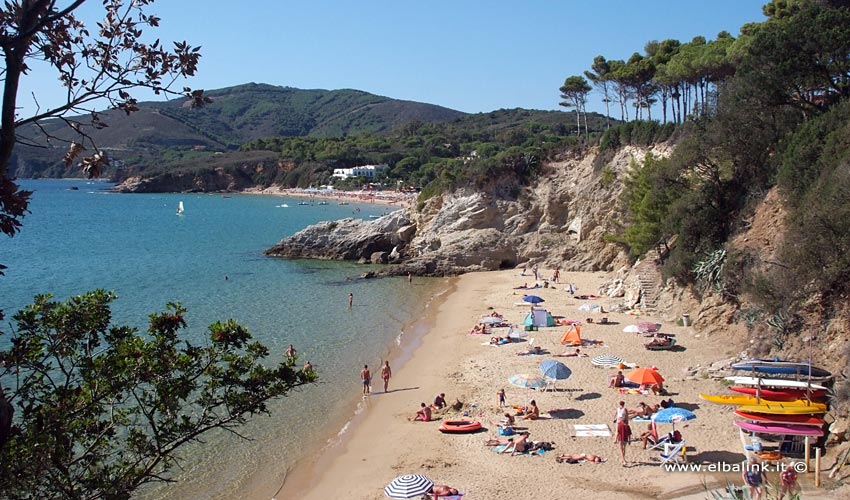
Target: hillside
[162,132]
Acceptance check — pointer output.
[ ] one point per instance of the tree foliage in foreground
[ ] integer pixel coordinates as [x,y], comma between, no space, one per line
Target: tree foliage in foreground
[102,409]
[96,66]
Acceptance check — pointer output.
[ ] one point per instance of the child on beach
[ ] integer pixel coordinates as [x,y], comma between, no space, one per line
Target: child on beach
[501,394]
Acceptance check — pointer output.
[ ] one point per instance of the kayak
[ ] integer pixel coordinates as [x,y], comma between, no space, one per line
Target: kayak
[781,367]
[774,382]
[781,419]
[793,430]
[751,400]
[783,409]
[460,426]
[780,394]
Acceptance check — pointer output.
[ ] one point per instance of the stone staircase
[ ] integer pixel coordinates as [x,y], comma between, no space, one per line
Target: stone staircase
[649,279]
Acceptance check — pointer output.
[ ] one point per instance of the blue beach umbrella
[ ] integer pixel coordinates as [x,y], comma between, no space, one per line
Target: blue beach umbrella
[532,299]
[555,369]
[673,415]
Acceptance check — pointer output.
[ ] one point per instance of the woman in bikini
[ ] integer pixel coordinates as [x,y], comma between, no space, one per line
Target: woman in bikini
[386,373]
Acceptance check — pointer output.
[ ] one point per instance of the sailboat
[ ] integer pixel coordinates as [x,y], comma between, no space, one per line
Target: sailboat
[180,207]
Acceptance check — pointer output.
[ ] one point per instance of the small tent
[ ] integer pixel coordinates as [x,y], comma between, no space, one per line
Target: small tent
[572,336]
[539,317]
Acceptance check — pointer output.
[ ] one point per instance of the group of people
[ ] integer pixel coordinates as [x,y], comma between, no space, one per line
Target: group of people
[755,478]
[366,377]
[424,413]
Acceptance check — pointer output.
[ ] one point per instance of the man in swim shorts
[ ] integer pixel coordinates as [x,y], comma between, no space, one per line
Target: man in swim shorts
[366,377]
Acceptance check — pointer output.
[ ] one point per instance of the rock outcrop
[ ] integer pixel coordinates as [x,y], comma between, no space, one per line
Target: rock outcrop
[559,221]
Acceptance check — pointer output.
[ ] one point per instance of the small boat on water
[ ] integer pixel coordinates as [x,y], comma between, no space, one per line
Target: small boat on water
[343,203]
[303,203]
[322,203]
[180,207]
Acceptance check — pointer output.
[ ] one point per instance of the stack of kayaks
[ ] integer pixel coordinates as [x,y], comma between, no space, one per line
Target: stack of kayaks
[782,406]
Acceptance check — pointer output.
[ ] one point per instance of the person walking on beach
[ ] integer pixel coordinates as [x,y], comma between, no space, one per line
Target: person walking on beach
[366,377]
[624,435]
[410,277]
[386,373]
[350,300]
[501,394]
[556,274]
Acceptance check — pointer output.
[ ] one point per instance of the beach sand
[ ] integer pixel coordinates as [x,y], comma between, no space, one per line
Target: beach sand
[390,198]
[383,444]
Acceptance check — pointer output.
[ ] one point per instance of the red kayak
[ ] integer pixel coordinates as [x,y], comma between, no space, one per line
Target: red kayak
[781,394]
[781,419]
[460,426]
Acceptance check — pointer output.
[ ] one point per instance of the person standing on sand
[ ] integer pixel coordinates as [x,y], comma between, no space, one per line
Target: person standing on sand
[501,394]
[366,377]
[350,300]
[386,373]
[410,277]
[624,435]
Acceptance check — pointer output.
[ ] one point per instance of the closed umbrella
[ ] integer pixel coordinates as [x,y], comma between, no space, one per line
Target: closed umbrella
[606,360]
[555,369]
[532,299]
[644,376]
[527,381]
[631,329]
[409,486]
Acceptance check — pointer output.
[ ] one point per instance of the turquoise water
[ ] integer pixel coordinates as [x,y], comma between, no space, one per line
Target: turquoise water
[136,245]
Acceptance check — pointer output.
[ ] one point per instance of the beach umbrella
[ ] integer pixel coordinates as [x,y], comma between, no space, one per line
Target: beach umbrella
[527,381]
[631,329]
[648,326]
[606,360]
[491,320]
[555,369]
[644,376]
[409,486]
[532,299]
[673,415]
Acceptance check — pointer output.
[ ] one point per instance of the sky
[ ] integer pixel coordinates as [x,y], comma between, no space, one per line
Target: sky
[472,56]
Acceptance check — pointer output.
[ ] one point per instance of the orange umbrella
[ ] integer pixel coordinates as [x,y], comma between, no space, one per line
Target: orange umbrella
[645,376]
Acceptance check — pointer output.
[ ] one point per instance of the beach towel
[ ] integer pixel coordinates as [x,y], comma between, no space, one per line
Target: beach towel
[592,430]
[503,447]
[448,497]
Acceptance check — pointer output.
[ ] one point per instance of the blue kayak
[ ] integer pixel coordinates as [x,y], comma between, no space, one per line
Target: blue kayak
[801,368]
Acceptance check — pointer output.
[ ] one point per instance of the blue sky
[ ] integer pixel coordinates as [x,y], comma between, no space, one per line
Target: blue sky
[472,56]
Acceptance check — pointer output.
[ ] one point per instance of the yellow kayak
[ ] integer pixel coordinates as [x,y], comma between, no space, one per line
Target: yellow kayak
[743,399]
[782,409]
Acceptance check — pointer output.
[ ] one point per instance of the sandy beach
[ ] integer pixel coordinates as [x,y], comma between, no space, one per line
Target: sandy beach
[383,443]
[392,198]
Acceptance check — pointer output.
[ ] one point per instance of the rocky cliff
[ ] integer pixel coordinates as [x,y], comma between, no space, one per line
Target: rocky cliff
[559,221]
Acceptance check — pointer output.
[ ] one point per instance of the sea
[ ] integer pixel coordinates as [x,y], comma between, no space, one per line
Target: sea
[80,237]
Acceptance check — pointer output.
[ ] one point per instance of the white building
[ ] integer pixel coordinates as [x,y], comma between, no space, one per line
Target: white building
[369,171]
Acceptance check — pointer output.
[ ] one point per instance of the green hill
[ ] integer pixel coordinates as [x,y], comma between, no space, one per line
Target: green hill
[162,132]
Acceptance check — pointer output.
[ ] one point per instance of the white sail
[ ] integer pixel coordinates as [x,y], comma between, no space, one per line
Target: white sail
[180,207]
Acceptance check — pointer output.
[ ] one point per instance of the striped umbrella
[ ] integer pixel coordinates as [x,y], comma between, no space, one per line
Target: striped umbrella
[606,360]
[409,486]
[527,381]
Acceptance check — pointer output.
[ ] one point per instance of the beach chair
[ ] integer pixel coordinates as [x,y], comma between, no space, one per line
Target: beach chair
[672,452]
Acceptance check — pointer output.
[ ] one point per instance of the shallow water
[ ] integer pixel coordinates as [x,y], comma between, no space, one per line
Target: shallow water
[210,259]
